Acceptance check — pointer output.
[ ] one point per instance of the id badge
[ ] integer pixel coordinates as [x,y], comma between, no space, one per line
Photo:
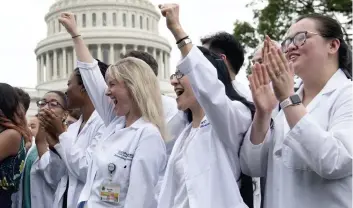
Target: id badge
[109,192]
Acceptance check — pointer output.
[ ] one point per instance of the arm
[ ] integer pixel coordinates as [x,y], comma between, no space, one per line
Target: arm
[148,161]
[51,167]
[10,141]
[327,152]
[253,157]
[230,119]
[76,158]
[89,69]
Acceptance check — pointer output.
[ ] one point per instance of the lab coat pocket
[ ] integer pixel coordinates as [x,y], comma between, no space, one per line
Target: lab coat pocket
[292,160]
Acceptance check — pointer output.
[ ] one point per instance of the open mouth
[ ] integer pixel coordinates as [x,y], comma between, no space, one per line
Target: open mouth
[178,91]
[292,57]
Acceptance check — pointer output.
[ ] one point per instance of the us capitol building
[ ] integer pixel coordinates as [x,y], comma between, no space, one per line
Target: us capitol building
[110,28]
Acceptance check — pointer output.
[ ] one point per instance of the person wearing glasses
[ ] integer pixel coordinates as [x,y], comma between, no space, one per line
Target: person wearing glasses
[203,169]
[306,153]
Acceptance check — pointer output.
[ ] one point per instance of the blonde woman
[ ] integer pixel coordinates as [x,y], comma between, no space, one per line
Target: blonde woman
[131,154]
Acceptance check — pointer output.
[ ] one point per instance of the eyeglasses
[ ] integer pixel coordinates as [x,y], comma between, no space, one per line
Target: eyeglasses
[51,104]
[298,40]
[178,75]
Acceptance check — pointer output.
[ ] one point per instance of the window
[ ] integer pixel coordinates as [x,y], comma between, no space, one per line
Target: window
[147,24]
[104,16]
[124,20]
[59,26]
[94,23]
[133,21]
[83,20]
[114,19]
[53,26]
[141,23]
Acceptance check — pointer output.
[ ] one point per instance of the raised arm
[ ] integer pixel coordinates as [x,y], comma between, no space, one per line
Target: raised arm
[89,69]
[229,118]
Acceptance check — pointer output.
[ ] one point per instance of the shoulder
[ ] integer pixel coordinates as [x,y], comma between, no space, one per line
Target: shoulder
[150,130]
[344,96]
[12,139]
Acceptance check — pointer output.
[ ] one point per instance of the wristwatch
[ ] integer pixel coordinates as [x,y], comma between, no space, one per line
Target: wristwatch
[184,42]
[292,100]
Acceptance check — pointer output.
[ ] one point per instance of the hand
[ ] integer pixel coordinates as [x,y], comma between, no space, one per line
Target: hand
[281,74]
[263,96]
[69,22]
[171,13]
[52,123]
[41,134]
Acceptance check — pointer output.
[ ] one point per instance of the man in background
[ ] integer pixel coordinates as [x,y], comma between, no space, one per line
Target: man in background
[231,51]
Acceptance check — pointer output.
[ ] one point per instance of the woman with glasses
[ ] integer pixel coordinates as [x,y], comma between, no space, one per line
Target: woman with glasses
[203,169]
[306,155]
[43,167]
[76,145]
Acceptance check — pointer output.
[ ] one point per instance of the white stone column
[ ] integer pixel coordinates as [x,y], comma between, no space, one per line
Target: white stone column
[146,49]
[55,64]
[123,50]
[111,54]
[74,58]
[48,67]
[154,53]
[135,47]
[99,52]
[165,58]
[167,66]
[42,68]
[64,70]
[161,65]
[128,19]
[38,70]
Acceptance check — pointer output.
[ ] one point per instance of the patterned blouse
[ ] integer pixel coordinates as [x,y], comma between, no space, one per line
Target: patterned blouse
[10,173]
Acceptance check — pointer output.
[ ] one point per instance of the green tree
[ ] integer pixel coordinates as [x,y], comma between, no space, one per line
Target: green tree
[277,16]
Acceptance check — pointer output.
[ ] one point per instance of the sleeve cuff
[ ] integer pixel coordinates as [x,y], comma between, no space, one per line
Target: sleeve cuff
[300,134]
[186,64]
[248,142]
[83,65]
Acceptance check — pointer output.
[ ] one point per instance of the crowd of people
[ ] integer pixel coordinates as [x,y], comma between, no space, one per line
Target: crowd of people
[113,140]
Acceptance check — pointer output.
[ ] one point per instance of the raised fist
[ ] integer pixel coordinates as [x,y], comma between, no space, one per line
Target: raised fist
[69,22]
[171,13]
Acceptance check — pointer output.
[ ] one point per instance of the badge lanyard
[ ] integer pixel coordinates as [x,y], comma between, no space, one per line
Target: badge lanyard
[111,169]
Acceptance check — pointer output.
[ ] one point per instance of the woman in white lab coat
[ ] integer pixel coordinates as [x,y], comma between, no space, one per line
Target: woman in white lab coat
[307,154]
[76,145]
[203,169]
[37,186]
[131,154]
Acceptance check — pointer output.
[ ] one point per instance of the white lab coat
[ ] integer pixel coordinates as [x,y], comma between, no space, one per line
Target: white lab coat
[138,152]
[42,185]
[76,151]
[310,165]
[242,90]
[211,160]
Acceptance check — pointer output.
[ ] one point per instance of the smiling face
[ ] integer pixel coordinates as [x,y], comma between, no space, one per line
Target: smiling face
[182,87]
[120,95]
[312,50]
[74,92]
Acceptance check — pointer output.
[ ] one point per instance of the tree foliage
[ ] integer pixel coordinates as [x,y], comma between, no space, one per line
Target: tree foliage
[276,17]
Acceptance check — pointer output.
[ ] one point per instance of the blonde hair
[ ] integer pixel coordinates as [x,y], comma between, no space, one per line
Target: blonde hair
[144,88]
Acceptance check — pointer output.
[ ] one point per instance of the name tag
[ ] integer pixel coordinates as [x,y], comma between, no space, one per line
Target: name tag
[110,192]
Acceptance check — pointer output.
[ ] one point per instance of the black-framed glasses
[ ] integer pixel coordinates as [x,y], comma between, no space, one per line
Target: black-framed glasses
[51,104]
[178,75]
[298,40]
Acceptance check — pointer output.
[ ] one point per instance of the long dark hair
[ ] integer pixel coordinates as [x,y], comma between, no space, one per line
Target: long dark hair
[12,114]
[246,189]
[331,29]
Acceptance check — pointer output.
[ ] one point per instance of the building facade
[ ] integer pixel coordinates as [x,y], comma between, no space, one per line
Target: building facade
[110,28]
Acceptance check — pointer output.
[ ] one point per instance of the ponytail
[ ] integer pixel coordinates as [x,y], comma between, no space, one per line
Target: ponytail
[345,59]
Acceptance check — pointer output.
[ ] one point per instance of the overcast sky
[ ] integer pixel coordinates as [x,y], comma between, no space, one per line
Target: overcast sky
[22,27]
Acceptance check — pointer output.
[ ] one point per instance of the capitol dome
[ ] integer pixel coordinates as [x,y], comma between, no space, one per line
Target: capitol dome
[110,28]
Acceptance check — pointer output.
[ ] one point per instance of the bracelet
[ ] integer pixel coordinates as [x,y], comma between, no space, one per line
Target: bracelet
[76,36]
[179,41]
